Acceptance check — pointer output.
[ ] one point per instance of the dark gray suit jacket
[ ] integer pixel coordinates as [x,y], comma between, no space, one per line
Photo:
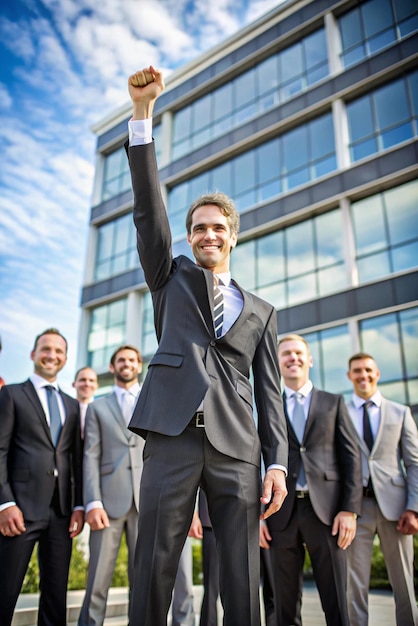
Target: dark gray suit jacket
[331,460]
[190,363]
[28,457]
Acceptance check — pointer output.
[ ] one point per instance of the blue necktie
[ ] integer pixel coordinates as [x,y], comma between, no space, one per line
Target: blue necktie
[54,413]
[298,423]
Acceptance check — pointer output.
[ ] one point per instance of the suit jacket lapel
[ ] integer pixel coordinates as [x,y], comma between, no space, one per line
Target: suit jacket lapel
[33,398]
[313,409]
[117,414]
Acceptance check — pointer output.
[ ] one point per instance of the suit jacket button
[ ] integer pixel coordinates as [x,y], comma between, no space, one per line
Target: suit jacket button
[213,343]
[302,449]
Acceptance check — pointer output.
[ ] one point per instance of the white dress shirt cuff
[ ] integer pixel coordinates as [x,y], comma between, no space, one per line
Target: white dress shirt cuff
[279,467]
[6,505]
[95,504]
[140,132]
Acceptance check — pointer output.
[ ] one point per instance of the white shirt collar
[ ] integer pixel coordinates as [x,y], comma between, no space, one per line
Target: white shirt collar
[38,382]
[376,398]
[305,390]
[225,277]
[134,390]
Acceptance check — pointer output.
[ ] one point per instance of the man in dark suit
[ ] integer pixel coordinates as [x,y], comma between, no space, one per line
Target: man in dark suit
[325,491]
[195,408]
[40,482]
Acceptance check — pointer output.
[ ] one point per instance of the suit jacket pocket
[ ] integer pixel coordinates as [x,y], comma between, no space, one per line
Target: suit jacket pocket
[164,358]
[107,468]
[399,481]
[21,475]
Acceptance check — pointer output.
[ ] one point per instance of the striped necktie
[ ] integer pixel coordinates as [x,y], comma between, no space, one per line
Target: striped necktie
[218,307]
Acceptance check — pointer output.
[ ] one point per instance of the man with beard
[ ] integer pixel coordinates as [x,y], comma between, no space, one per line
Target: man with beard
[112,468]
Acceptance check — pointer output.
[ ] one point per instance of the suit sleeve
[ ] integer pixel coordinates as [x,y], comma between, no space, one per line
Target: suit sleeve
[409,455]
[349,457]
[92,457]
[150,216]
[6,433]
[272,426]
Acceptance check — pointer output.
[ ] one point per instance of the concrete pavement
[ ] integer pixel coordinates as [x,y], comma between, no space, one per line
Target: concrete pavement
[382,610]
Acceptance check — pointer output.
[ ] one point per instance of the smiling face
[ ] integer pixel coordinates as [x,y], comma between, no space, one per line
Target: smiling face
[49,356]
[211,239]
[85,384]
[295,362]
[364,375]
[126,368]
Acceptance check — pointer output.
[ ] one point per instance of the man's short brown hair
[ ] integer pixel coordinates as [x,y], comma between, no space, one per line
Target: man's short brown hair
[49,331]
[125,347]
[221,200]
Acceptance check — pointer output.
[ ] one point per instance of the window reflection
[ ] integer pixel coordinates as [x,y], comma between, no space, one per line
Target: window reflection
[374,25]
[330,349]
[382,118]
[116,248]
[107,331]
[386,232]
[263,172]
[295,264]
[263,86]
[392,340]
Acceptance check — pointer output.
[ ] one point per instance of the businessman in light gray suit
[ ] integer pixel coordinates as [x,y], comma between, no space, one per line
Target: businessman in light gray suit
[388,440]
[196,405]
[112,467]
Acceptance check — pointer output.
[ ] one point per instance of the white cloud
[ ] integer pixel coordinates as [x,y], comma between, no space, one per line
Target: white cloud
[67,66]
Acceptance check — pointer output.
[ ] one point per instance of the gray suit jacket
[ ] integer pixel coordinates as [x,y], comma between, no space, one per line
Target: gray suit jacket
[112,464]
[190,363]
[393,460]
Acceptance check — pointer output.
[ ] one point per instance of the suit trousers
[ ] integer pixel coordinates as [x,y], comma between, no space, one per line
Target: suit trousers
[210,564]
[328,562]
[54,553]
[174,467]
[104,547]
[182,606]
[398,553]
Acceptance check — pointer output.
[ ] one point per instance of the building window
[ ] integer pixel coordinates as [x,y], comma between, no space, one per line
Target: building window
[116,248]
[296,264]
[374,25]
[116,176]
[264,86]
[330,349]
[262,173]
[107,332]
[386,232]
[383,118]
[393,341]
[149,339]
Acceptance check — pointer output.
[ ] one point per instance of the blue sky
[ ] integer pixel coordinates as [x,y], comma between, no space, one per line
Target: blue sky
[63,67]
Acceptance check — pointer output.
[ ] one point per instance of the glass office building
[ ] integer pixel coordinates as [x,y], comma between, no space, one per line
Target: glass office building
[308,118]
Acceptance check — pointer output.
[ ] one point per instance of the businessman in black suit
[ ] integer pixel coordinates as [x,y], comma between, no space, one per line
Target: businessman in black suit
[40,482]
[325,493]
[195,408]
